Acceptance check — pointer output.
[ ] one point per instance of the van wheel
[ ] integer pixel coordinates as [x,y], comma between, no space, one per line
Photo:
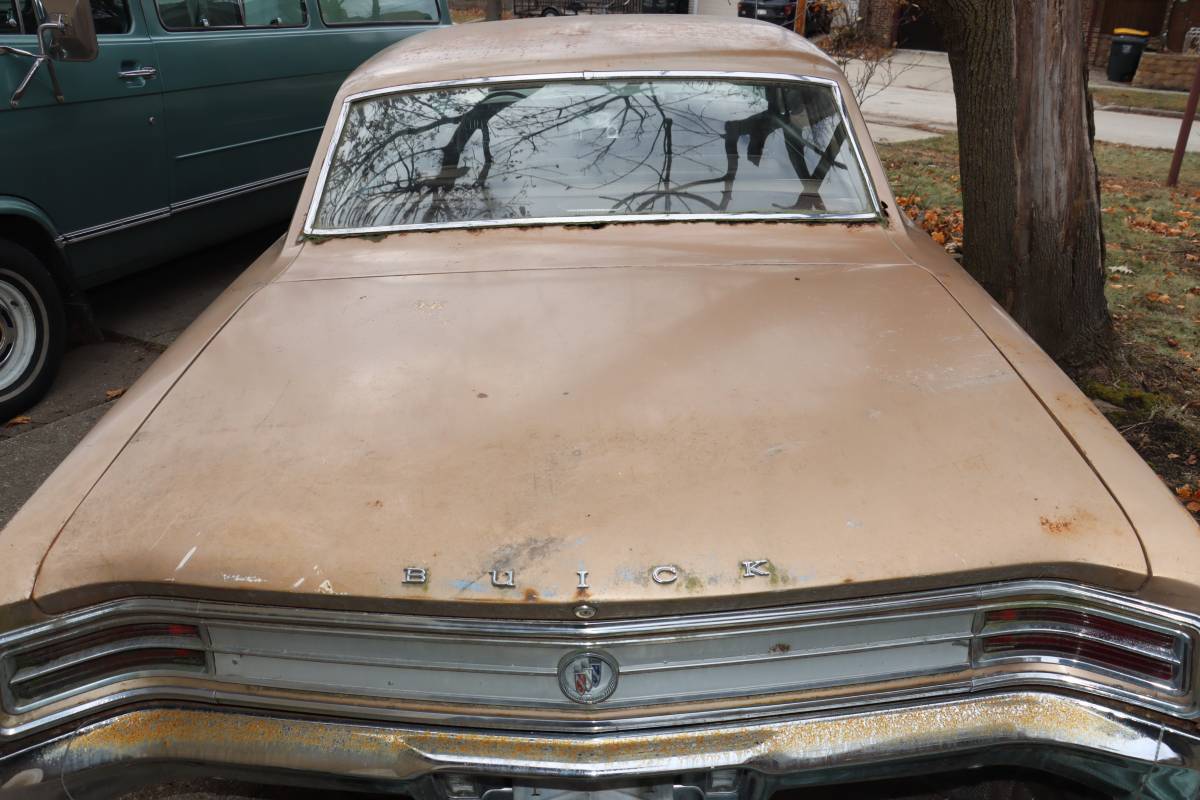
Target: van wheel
[550,12]
[32,330]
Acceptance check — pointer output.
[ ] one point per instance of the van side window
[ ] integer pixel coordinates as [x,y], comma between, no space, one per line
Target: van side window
[377,12]
[274,13]
[16,16]
[191,15]
[109,16]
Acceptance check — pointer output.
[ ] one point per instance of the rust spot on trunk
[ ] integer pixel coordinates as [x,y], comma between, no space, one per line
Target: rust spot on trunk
[1059,525]
[531,596]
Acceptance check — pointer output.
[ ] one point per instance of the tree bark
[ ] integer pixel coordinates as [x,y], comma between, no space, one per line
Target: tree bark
[1031,199]
[492,9]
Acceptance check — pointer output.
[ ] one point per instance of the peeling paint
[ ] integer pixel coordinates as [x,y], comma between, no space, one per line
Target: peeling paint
[186,558]
[225,576]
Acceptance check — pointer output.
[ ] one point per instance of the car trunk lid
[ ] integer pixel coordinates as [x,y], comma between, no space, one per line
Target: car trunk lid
[606,425]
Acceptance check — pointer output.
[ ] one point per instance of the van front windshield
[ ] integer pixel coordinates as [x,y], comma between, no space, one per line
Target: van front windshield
[568,150]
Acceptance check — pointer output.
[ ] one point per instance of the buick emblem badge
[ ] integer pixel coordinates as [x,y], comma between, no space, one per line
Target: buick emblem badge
[588,677]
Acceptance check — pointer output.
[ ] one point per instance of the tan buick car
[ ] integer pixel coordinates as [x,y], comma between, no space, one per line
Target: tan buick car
[599,426]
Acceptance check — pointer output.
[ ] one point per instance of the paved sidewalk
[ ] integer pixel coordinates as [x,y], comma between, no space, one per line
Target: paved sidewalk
[921,94]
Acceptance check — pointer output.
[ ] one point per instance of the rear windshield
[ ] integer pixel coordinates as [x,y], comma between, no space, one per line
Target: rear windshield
[592,149]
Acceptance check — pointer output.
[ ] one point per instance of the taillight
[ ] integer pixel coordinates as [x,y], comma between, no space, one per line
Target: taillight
[110,652]
[1079,637]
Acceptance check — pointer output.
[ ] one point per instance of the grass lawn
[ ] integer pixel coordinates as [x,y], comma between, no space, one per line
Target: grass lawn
[1163,101]
[1151,387]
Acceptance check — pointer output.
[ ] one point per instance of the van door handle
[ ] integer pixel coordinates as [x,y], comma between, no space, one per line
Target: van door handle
[138,72]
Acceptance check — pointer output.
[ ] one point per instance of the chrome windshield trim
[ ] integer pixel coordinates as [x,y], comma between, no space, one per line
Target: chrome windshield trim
[874,215]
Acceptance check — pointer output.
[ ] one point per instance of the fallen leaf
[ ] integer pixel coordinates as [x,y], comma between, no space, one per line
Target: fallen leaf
[15,421]
[113,394]
[1172,456]
[1185,491]
[1172,342]
[1193,507]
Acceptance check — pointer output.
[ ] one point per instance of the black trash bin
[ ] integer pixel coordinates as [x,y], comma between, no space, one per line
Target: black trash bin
[1125,53]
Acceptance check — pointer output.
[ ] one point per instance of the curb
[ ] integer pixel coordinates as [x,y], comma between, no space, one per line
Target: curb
[1144,112]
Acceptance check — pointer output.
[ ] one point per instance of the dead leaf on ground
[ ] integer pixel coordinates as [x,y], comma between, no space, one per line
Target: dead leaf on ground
[113,394]
[15,421]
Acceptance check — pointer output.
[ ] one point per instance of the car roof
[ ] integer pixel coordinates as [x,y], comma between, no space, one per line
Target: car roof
[572,44]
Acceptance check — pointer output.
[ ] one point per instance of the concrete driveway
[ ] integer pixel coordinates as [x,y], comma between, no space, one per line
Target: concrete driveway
[920,98]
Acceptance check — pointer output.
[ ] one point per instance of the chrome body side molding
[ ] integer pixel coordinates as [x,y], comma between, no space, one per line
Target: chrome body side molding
[84,234]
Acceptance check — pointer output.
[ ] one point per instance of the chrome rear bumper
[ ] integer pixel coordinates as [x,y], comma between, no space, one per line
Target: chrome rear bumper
[1108,747]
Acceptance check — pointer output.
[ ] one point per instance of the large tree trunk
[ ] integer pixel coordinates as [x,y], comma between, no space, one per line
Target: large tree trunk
[1031,202]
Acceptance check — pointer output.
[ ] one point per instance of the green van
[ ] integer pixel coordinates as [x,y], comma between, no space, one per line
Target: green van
[133,131]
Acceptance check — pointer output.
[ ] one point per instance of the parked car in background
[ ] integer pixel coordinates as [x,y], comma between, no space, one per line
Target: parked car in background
[179,123]
[817,18]
[601,429]
[556,8]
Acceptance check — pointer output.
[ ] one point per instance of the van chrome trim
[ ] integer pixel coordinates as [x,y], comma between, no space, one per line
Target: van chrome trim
[875,215]
[248,142]
[83,234]
[661,635]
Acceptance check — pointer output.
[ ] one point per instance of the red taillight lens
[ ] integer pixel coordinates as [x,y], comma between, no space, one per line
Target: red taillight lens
[129,661]
[1081,650]
[97,639]
[1050,633]
[1082,619]
[109,652]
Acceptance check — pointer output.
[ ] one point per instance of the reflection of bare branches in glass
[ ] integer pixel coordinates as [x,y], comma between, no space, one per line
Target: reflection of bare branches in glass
[589,149]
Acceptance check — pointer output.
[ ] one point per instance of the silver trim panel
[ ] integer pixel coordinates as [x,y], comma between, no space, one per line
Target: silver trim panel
[876,215]
[525,640]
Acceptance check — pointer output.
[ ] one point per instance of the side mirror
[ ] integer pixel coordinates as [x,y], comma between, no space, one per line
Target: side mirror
[65,32]
[70,33]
